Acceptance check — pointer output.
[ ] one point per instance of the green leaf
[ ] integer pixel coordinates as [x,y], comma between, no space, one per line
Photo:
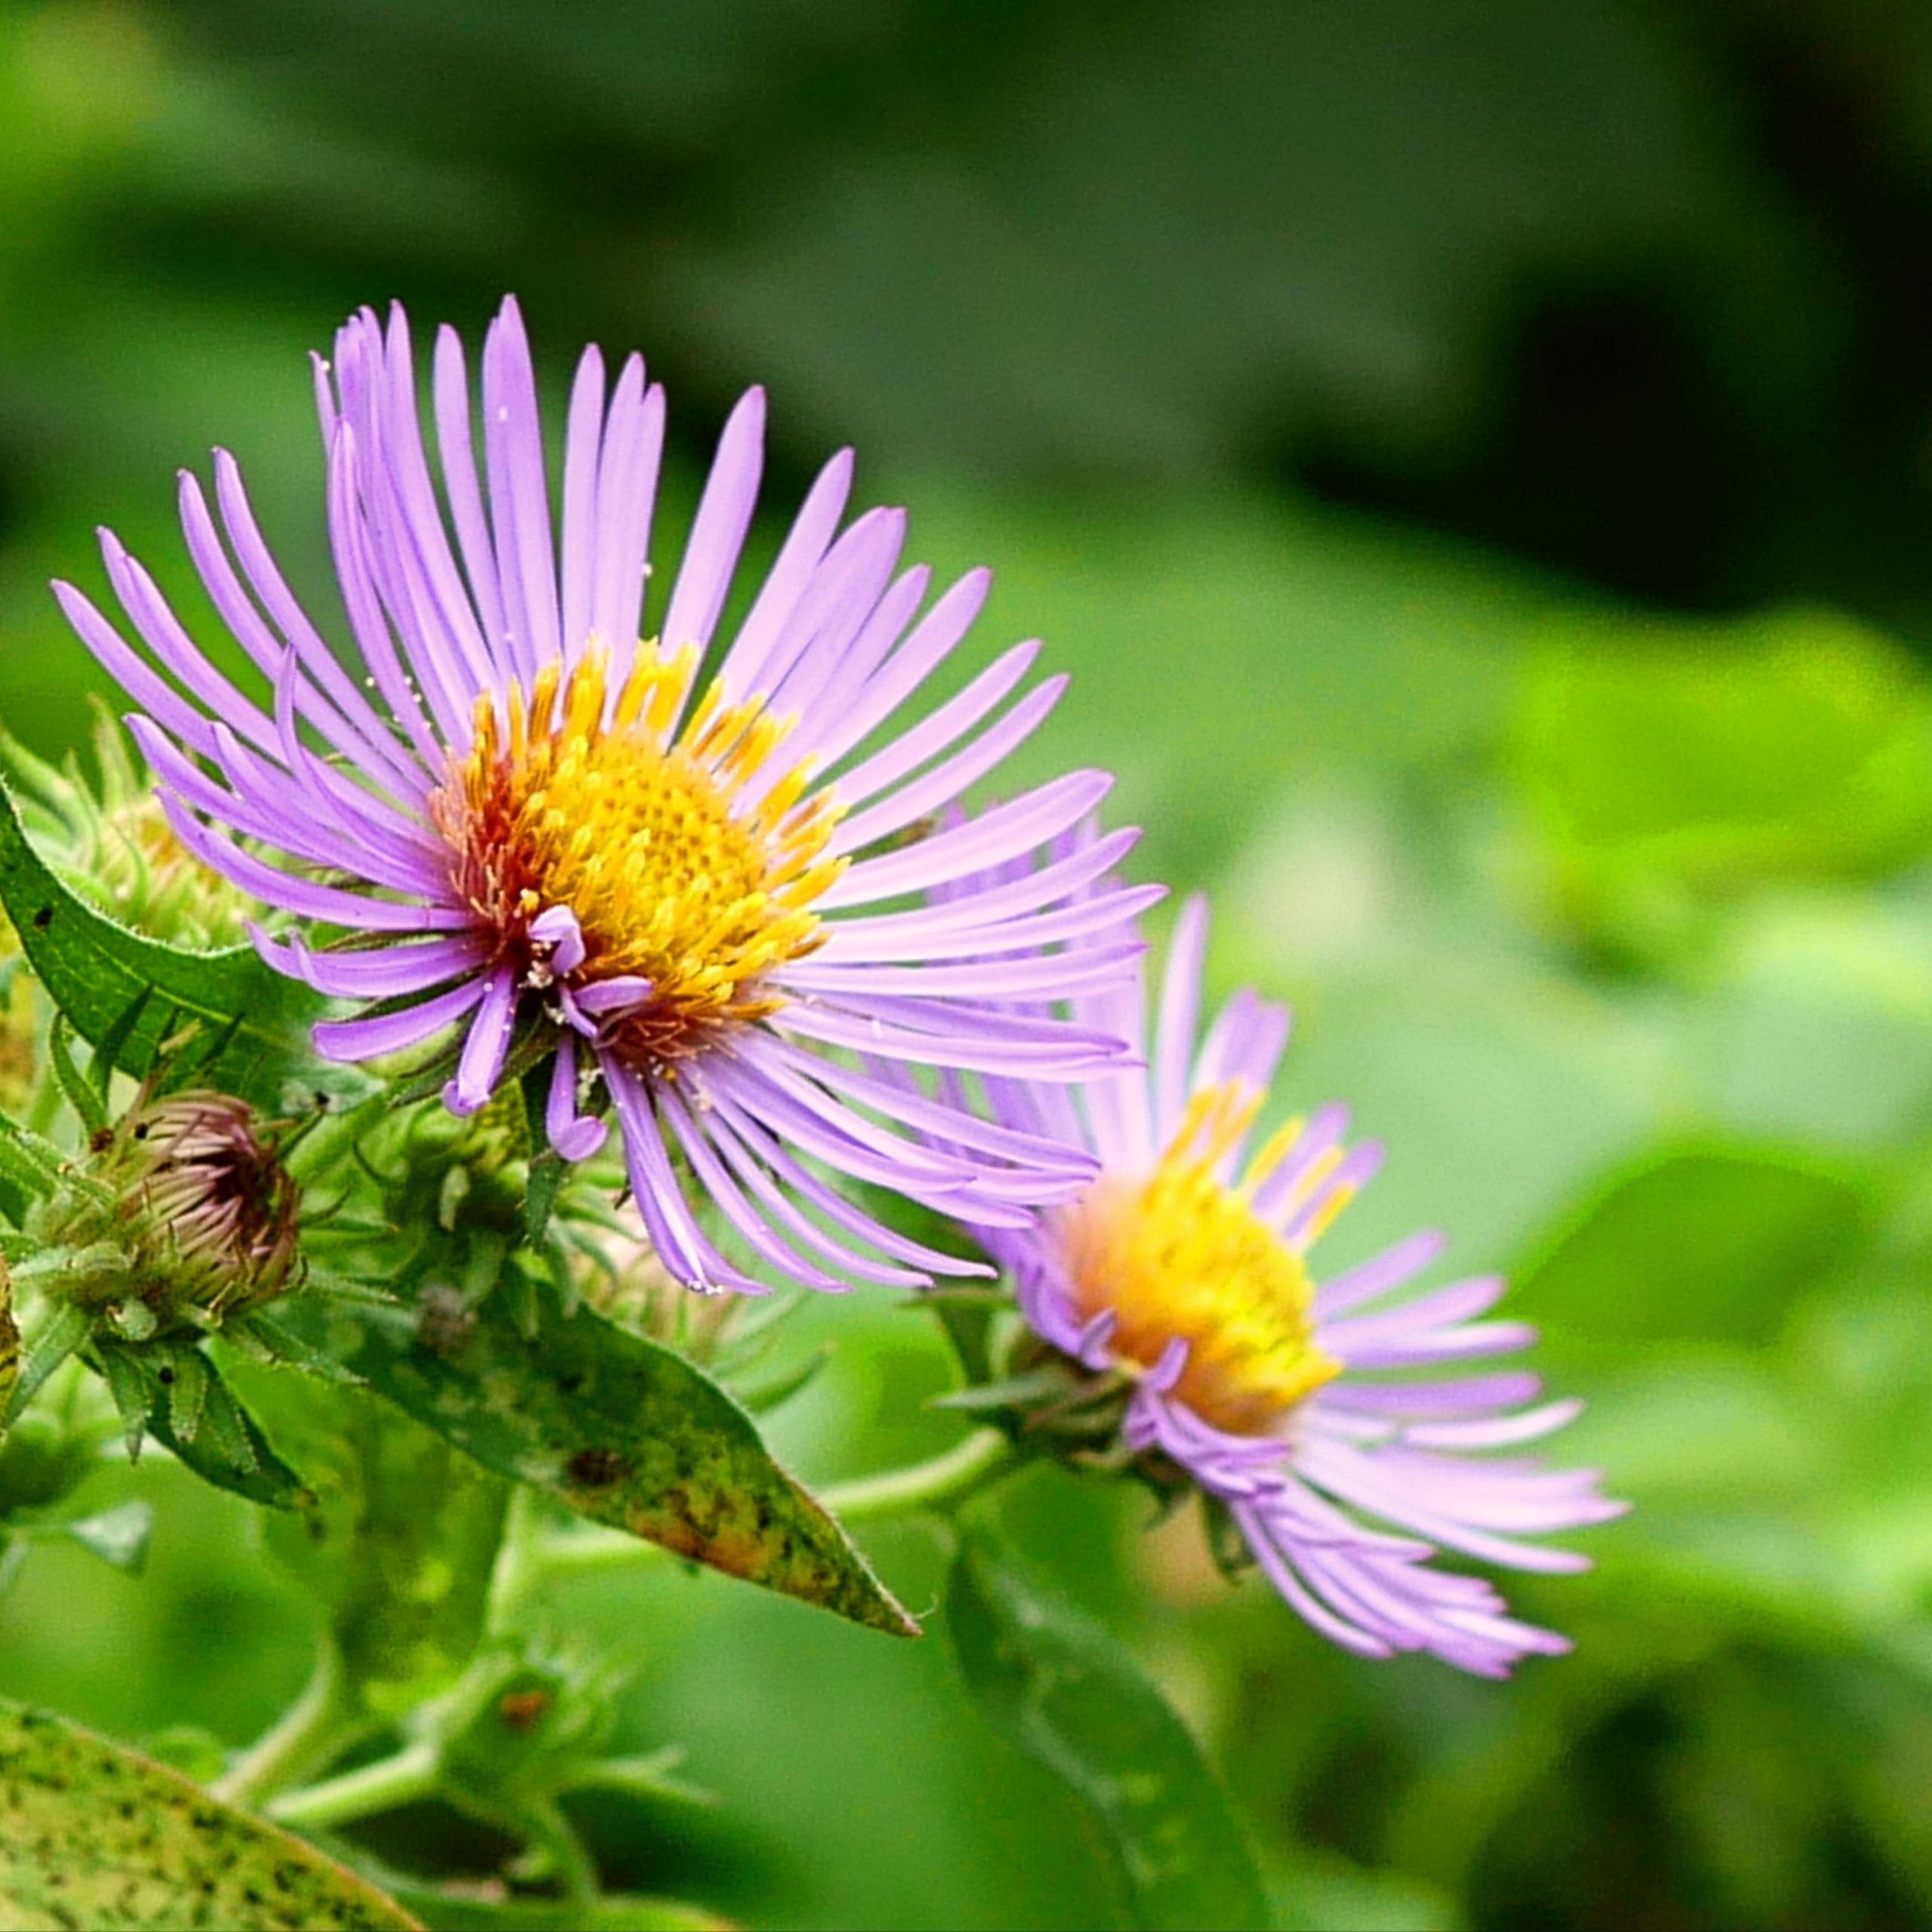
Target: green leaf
[86,1102]
[104,978]
[64,1330]
[397,1542]
[773,1391]
[616,1913]
[113,1044]
[650,1774]
[26,1157]
[1050,1380]
[547,1167]
[1065,1692]
[619,1430]
[1669,764]
[118,1536]
[1698,1242]
[96,1836]
[188,1749]
[217,1438]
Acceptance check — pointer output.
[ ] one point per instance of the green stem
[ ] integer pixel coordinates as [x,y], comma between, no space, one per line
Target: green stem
[417,1772]
[317,1727]
[939,1486]
[534,1560]
[524,1564]
[577,1870]
[389,1782]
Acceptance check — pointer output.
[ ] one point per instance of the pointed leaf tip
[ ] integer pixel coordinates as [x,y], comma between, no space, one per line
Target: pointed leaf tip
[627,1433]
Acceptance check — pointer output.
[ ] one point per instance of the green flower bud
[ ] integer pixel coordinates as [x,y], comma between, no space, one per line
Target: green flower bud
[111,842]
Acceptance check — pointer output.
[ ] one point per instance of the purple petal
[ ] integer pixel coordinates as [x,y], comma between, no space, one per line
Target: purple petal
[680,1243]
[1529,1427]
[1003,833]
[584,439]
[576,1137]
[387,973]
[718,531]
[940,728]
[626,494]
[798,559]
[1245,1043]
[932,639]
[766,1150]
[374,745]
[717,1182]
[953,777]
[519,496]
[1181,998]
[465,498]
[856,942]
[557,927]
[482,1061]
[1354,1169]
[615,995]
[390,1032]
[1032,976]
[1388,1269]
[326,902]
[822,687]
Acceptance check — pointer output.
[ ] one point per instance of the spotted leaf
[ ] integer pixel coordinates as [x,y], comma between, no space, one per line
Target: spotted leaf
[618,1429]
[95,1835]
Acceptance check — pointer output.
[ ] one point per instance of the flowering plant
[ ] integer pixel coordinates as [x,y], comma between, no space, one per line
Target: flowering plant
[592,999]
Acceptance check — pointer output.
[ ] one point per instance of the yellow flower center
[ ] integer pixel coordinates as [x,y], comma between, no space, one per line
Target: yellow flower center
[677,874]
[1181,1253]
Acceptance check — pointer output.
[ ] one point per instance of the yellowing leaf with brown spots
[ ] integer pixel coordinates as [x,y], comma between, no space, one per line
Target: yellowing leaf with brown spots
[619,1430]
[93,1836]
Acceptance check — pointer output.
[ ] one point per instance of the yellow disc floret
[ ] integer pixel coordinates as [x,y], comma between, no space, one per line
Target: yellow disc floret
[1181,1253]
[679,871]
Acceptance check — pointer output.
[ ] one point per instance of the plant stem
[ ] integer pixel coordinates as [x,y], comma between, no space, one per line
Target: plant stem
[939,1486]
[525,1561]
[577,1870]
[316,1728]
[389,1782]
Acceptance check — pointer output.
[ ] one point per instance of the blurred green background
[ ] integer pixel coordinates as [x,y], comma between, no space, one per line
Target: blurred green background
[1476,457]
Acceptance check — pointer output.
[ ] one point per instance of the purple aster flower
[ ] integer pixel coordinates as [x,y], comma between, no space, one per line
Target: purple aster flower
[1335,1421]
[700,894]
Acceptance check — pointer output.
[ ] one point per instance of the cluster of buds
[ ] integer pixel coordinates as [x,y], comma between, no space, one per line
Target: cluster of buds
[111,842]
[182,1215]
[461,1185]
[525,1725]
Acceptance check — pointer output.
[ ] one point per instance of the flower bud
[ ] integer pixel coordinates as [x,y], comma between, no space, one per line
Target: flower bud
[184,1214]
[111,842]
